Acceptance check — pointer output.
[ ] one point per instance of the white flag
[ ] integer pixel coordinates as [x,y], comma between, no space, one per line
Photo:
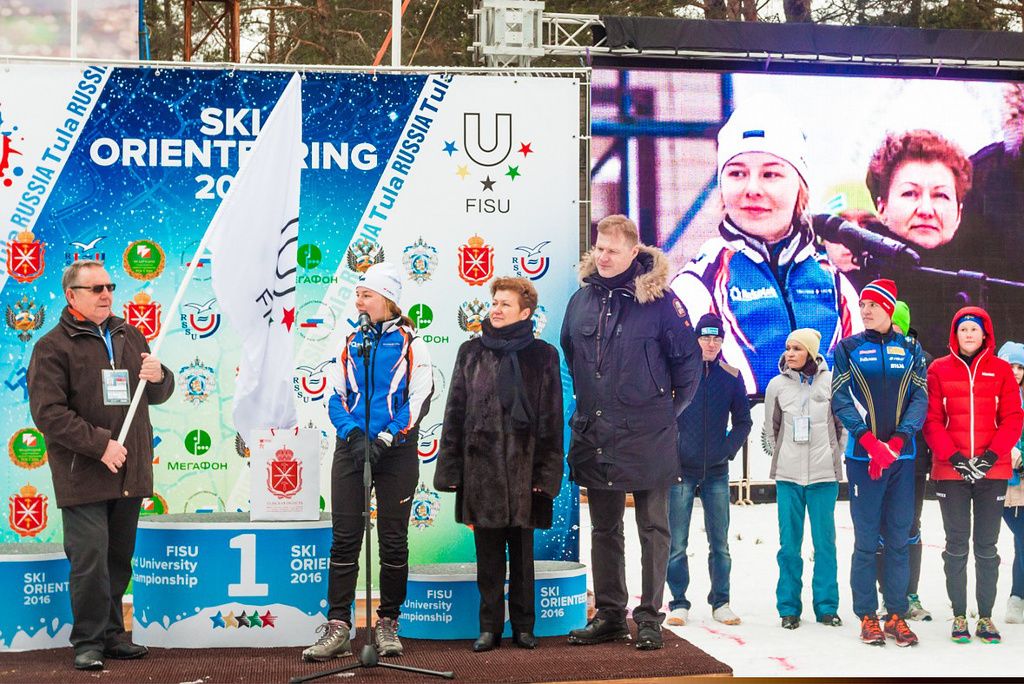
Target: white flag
[253,238]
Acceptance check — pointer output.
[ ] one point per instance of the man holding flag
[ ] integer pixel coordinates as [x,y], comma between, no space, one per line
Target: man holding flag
[80,381]
[82,376]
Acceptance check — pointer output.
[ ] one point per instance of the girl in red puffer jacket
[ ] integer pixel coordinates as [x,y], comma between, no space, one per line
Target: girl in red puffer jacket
[974,420]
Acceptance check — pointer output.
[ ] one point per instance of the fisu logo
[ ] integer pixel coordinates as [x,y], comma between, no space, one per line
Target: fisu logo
[488,148]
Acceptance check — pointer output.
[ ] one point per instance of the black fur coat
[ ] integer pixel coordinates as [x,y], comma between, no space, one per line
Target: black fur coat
[492,468]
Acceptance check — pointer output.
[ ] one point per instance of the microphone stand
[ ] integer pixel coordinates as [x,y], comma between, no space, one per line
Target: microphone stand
[982,281]
[368,654]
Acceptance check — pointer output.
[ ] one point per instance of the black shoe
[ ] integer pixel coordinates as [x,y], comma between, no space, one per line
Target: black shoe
[89,660]
[790,621]
[525,640]
[487,641]
[648,636]
[125,650]
[831,620]
[599,631]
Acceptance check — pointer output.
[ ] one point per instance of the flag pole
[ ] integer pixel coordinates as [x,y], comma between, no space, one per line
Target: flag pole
[155,349]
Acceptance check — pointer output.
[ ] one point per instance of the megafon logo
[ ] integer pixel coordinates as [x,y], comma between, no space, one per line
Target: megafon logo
[8,167]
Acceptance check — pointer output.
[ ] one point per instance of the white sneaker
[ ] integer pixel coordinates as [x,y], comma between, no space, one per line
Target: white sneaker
[1015,611]
[724,614]
[678,617]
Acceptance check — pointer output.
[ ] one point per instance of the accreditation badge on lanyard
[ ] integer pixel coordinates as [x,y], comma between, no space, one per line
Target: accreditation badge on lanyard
[116,391]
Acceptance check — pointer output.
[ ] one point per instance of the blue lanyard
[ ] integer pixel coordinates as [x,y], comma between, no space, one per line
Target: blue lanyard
[110,346]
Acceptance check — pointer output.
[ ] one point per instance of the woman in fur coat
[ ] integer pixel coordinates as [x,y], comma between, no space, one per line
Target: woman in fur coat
[501,453]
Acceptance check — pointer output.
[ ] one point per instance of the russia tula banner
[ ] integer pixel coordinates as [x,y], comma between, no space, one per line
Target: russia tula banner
[455,178]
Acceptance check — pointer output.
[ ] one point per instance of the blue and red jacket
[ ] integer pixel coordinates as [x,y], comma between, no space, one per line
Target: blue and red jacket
[400,387]
[762,292]
[879,385]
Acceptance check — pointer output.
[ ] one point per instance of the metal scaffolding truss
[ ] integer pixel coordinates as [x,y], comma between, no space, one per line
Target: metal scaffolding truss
[514,32]
[510,33]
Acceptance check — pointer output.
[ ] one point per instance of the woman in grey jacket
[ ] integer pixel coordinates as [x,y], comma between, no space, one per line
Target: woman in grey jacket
[805,441]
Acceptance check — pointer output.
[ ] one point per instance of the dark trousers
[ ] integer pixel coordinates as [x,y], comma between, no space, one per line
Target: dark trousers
[883,507]
[394,481]
[1014,517]
[607,552]
[914,542]
[99,540]
[490,577]
[957,498]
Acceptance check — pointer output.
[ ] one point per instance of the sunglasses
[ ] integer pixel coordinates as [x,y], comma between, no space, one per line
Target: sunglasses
[96,289]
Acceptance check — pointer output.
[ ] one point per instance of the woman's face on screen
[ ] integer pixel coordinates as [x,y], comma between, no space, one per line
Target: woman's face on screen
[760,191]
[922,206]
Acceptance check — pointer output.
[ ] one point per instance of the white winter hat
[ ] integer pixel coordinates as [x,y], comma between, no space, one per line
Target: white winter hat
[761,127]
[384,279]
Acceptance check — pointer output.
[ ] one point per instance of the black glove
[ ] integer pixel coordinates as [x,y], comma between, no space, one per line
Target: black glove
[965,468]
[984,462]
[356,441]
[377,449]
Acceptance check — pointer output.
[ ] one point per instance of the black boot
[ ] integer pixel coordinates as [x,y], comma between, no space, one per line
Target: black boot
[89,660]
[525,640]
[599,631]
[648,636]
[487,641]
[790,621]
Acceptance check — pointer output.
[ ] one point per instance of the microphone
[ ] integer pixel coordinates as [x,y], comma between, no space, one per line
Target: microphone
[859,240]
[365,324]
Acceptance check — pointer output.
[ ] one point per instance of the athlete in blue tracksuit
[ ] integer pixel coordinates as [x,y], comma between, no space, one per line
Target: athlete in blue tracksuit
[396,387]
[879,392]
[762,292]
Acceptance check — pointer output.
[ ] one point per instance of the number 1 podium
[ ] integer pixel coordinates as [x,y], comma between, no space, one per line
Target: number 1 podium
[209,580]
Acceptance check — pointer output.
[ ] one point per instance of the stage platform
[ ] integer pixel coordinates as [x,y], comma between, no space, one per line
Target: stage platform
[553,661]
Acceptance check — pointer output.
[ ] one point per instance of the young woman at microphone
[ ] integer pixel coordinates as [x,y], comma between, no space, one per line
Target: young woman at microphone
[399,391]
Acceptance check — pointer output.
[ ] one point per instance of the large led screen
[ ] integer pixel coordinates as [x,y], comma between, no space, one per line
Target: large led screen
[825,183]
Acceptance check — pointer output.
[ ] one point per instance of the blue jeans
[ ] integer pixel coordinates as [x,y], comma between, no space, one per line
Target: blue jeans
[797,503]
[714,497]
[1014,518]
[880,507]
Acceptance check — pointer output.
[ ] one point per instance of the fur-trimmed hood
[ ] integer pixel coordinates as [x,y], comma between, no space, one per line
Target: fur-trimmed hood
[651,284]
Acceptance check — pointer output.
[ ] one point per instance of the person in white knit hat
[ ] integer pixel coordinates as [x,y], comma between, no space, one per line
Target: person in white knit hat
[764,274]
[400,386]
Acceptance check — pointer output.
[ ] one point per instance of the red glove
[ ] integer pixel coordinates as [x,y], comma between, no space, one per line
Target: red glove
[881,455]
[896,444]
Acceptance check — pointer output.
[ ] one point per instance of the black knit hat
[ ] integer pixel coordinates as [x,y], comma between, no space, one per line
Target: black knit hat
[710,324]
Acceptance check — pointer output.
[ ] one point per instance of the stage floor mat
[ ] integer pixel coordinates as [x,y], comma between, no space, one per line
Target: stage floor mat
[553,661]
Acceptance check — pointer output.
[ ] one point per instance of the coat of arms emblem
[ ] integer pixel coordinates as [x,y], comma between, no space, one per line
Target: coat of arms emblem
[471,315]
[25,260]
[25,318]
[284,474]
[476,261]
[28,511]
[144,314]
[420,260]
[364,253]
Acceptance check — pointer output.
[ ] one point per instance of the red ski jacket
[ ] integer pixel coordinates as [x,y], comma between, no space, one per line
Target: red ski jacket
[972,408]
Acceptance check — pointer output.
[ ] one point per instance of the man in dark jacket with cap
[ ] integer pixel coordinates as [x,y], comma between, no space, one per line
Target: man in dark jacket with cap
[80,382]
[635,366]
[706,445]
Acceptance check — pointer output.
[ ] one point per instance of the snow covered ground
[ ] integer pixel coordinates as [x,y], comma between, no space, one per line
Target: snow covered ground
[760,647]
